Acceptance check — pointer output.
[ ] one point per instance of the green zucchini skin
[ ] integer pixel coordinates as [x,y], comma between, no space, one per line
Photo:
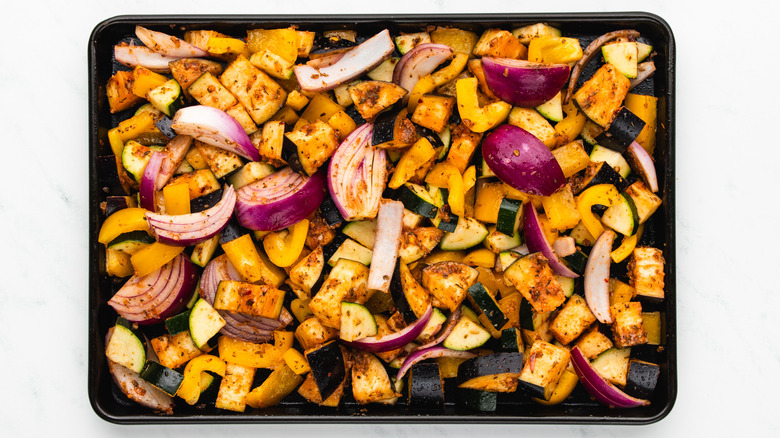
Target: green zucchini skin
[511,340]
[577,261]
[162,377]
[469,232]
[399,298]
[327,367]
[426,392]
[477,400]
[131,241]
[482,300]
[417,200]
[178,323]
[508,216]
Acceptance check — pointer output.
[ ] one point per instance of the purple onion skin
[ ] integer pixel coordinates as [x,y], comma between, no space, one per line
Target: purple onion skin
[283,213]
[603,391]
[522,83]
[537,242]
[190,280]
[522,161]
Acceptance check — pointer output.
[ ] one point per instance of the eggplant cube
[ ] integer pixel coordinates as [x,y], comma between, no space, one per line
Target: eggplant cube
[646,272]
[314,144]
[426,391]
[543,368]
[260,94]
[534,278]
[498,372]
[448,282]
[627,327]
[370,382]
[642,378]
[623,130]
[572,320]
[594,343]
[327,367]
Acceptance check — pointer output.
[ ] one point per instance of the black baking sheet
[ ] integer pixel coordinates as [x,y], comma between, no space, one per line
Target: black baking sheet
[113,406]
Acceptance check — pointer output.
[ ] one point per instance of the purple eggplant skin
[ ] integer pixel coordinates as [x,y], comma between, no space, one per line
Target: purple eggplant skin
[327,367]
[426,392]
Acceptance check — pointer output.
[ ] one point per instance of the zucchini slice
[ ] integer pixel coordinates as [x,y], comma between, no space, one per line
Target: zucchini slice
[613,365]
[167,97]
[468,233]
[611,157]
[487,305]
[126,348]
[362,231]
[408,41]
[205,322]
[178,323]
[623,130]
[162,377]
[131,242]
[512,340]
[622,217]
[356,322]
[416,199]
[466,335]
[509,216]
[623,55]
[351,250]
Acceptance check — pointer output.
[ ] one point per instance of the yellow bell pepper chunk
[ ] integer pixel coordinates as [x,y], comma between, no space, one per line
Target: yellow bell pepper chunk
[446,175]
[476,118]
[604,194]
[482,257]
[469,178]
[123,221]
[248,354]
[627,246]
[561,210]
[129,129]
[412,160]
[296,361]
[283,341]
[554,50]
[284,247]
[563,389]
[230,46]
[276,387]
[145,80]
[428,83]
[190,388]
[252,265]
[177,198]
[153,257]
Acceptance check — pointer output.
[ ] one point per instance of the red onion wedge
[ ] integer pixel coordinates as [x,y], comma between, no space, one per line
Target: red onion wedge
[521,160]
[378,344]
[389,224]
[142,56]
[147,187]
[597,277]
[643,164]
[137,389]
[238,326]
[214,127]
[193,228]
[537,242]
[168,45]
[523,83]
[279,200]
[590,52]
[326,61]
[175,151]
[418,62]
[429,353]
[644,71]
[602,390]
[357,175]
[152,298]
[355,63]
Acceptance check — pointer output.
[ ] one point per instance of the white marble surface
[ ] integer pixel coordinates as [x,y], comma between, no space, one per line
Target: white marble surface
[728,211]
